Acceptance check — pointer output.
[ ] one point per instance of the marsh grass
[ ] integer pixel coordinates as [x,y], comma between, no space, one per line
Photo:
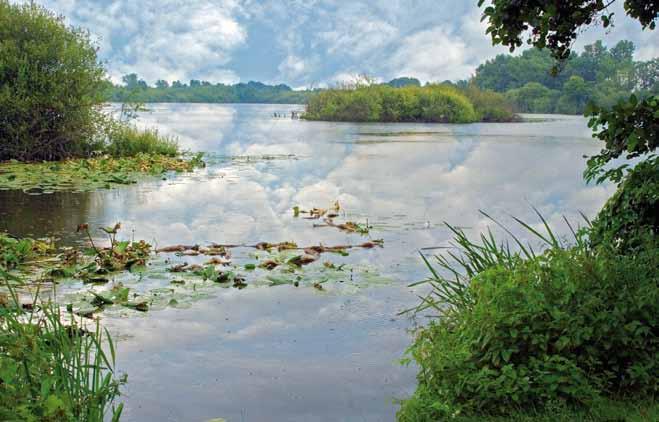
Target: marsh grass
[125,140]
[52,367]
[451,272]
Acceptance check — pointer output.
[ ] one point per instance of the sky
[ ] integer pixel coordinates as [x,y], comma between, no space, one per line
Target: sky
[302,43]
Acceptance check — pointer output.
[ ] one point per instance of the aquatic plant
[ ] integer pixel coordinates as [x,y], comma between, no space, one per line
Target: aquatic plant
[53,367]
[102,172]
[16,251]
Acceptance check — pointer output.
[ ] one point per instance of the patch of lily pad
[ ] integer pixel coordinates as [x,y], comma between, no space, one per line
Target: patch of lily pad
[124,277]
[80,175]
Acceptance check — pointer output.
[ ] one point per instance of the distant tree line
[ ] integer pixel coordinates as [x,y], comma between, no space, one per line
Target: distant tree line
[528,81]
[197,91]
[601,75]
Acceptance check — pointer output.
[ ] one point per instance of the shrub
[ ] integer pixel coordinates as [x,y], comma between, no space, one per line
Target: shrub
[567,326]
[383,103]
[50,85]
[631,215]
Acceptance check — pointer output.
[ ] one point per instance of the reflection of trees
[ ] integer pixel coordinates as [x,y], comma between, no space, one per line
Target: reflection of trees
[55,214]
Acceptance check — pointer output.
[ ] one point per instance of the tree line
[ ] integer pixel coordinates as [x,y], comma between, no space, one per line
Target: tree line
[599,75]
[135,89]
[529,81]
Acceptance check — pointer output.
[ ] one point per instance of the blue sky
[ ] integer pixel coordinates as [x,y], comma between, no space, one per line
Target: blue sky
[301,43]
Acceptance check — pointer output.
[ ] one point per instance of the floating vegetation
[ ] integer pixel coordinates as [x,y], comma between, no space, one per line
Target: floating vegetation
[129,276]
[404,133]
[90,174]
[316,213]
[15,252]
[349,226]
[329,216]
[263,157]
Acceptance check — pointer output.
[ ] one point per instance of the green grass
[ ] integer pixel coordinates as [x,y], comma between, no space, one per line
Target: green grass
[53,367]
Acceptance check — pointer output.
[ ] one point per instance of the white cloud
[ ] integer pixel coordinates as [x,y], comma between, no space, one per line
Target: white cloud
[294,67]
[165,39]
[430,55]
[302,43]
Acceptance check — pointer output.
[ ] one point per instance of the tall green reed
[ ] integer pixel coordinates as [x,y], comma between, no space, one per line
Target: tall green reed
[451,272]
[52,366]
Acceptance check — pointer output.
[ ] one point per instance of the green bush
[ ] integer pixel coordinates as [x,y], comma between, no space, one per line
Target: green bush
[383,103]
[50,86]
[568,326]
[631,215]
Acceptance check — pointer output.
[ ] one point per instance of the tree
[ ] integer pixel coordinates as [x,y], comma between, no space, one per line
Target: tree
[132,82]
[51,85]
[533,98]
[404,81]
[576,94]
[630,127]
[646,76]
[623,52]
[162,84]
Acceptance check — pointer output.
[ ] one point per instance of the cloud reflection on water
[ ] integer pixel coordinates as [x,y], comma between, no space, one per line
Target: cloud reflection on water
[296,354]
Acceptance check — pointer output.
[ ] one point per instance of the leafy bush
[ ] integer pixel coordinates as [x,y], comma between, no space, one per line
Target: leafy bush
[52,371]
[383,103]
[631,215]
[50,85]
[520,330]
[125,140]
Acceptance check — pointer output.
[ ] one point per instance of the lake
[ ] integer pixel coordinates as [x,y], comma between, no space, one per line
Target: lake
[287,353]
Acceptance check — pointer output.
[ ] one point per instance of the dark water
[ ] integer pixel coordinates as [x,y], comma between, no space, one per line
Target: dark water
[287,354]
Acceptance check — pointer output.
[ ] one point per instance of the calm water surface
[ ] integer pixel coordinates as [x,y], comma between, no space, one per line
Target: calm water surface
[297,354]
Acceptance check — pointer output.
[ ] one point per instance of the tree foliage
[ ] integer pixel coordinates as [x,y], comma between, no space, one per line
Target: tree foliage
[50,85]
[629,129]
[600,75]
[555,24]
[197,91]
